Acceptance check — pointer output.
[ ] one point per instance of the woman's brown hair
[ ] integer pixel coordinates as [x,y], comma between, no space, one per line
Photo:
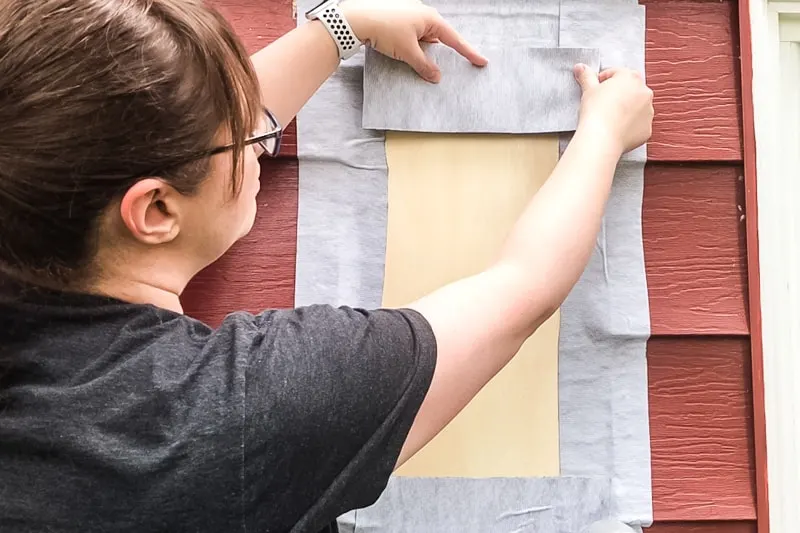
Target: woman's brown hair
[96,94]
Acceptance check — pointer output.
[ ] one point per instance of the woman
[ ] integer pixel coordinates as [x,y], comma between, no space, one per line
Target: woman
[131,132]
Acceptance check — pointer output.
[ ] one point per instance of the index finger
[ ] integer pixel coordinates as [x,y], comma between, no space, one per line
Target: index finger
[449,36]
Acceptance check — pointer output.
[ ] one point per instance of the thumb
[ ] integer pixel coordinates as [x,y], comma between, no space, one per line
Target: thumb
[586,77]
[426,68]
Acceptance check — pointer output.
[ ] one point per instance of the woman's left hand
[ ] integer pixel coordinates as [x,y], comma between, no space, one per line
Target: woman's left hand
[396,27]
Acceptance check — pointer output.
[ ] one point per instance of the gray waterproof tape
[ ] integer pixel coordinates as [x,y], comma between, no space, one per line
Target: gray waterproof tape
[621,44]
[617,29]
[521,90]
[603,405]
[507,24]
[605,321]
[341,218]
[341,248]
[485,505]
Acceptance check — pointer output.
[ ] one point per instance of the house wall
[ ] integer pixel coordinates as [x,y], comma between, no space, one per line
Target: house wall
[695,255]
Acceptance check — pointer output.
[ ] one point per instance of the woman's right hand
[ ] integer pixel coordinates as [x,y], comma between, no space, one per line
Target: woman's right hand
[616,102]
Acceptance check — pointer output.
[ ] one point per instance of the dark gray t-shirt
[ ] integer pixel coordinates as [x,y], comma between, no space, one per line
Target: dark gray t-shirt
[122,417]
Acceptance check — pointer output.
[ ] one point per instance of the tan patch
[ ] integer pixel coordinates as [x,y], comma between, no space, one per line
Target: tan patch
[452,201]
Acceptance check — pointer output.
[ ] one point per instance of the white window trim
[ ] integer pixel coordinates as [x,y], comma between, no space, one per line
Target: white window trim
[777,133]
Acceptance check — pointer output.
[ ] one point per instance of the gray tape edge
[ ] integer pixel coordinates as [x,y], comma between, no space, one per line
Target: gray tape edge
[553,508]
[635,340]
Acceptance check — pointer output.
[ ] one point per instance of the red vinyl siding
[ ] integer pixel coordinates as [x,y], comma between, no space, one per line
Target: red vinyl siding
[704,527]
[698,357]
[695,249]
[700,430]
[701,414]
[258,271]
[691,62]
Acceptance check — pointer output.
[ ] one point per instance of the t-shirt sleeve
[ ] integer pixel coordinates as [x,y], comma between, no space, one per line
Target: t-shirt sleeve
[330,396]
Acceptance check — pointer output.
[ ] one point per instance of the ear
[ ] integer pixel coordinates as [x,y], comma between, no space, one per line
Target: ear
[150,211]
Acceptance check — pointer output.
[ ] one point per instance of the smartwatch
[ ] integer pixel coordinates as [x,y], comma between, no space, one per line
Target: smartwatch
[333,19]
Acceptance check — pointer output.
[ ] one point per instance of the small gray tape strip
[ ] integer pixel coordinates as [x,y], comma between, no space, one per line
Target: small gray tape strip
[521,90]
[485,505]
[347,522]
[605,324]
[490,24]
[615,27]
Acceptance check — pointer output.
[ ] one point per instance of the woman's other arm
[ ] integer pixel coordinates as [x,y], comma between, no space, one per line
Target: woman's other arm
[481,322]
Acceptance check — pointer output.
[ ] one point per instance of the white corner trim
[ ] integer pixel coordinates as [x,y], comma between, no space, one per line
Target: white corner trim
[776,103]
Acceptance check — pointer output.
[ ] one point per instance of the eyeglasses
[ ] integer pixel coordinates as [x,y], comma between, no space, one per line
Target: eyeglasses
[266,143]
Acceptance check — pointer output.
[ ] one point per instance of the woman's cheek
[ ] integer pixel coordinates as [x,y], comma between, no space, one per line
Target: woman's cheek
[255,173]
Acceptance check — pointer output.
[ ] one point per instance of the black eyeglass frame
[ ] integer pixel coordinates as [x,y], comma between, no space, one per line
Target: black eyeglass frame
[275,133]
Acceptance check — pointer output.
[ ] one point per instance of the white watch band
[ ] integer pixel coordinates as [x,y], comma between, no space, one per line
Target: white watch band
[335,22]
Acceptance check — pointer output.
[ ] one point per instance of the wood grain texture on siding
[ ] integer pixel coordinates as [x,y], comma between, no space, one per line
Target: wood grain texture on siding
[695,249]
[692,67]
[289,141]
[701,428]
[258,23]
[258,271]
[745,526]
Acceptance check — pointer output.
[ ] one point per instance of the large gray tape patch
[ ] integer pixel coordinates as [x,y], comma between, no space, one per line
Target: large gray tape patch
[605,321]
[603,413]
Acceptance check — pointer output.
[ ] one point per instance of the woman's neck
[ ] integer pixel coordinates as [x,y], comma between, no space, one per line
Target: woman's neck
[139,292]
